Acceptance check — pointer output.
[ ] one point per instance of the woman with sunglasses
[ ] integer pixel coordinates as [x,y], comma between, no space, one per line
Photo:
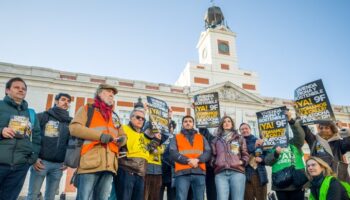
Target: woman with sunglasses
[324,185]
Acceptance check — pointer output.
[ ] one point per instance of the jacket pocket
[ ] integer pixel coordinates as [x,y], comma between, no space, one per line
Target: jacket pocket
[91,159]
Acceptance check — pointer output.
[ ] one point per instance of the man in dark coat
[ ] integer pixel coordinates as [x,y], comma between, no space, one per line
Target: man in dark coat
[19,139]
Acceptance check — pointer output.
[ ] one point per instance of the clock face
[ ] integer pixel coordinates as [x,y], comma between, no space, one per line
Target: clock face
[224,48]
[204,53]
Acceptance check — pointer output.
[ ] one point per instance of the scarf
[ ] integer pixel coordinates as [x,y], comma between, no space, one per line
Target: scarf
[227,135]
[60,114]
[105,109]
[325,143]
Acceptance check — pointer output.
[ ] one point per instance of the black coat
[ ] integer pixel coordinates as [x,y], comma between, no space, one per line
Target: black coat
[335,190]
[53,149]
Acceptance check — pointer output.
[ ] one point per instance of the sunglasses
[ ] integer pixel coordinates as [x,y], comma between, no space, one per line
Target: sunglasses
[139,118]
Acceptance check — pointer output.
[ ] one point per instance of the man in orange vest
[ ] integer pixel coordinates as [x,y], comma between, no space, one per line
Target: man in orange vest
[102,139]
[190,150]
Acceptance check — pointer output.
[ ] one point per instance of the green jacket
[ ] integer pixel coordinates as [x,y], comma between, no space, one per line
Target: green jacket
[296,144]
[17,151]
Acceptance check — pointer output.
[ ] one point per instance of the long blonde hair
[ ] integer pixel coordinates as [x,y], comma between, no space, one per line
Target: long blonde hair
[327,170]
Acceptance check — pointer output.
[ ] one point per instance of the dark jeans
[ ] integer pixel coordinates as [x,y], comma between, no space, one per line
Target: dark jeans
[153,184]
[129,185]
[183,183]
[210,183]
[290,195]
[12,180]
[170,191]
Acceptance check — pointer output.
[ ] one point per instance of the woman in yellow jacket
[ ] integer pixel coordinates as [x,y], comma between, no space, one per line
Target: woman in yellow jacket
[324,185]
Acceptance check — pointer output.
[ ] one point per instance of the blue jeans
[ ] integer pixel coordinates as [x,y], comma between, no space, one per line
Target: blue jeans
[12,180]
[53,174]
[230,183]
[183,183]
[129,186]
[96,186]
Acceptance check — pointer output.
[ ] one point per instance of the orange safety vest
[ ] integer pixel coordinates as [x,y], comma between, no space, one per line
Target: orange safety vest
[98,123]
[185,148]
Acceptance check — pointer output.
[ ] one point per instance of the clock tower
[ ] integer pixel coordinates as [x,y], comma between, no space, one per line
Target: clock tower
[218,60]
[217,44]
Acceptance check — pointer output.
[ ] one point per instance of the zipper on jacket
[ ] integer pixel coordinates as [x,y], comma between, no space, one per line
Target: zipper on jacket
[14,149]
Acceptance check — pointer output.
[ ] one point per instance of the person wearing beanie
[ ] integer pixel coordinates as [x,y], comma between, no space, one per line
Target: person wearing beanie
[330,147]
[130,180]
[190,150]
[54,141]
[100,150]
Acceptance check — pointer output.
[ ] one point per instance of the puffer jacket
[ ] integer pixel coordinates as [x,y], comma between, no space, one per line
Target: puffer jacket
[100,157]
[17,151]
[224,158]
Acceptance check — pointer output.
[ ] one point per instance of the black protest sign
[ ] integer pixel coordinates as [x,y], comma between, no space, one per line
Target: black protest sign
[158,113]
[312,103]
[207,110]
[272,127]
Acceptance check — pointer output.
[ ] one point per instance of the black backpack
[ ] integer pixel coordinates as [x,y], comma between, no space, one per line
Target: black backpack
[72,158]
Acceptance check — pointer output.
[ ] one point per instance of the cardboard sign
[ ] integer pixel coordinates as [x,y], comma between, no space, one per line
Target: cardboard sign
[312,103]
[272,127]
[159,114]
[207,110]
[21,125]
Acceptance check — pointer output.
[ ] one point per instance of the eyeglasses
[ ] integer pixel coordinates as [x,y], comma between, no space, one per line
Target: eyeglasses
[139,118]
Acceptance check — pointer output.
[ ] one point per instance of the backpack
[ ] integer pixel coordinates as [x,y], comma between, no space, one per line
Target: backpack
[32,118]
[72,158]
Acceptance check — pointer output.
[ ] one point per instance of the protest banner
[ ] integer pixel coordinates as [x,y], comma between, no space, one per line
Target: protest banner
[272,127]
[207,110]
[312,103]
[159,114]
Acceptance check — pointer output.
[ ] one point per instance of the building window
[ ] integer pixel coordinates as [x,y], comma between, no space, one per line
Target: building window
[200,67]
[248,86]
[201,80]
[68,77]
[151,87]
[96,80]
[125,104]
[225,66]
[223,47]
[126,84]
[247,74]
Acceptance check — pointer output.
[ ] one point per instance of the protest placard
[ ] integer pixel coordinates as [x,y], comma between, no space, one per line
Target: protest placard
[207,110]
[312,103]
[272,127]
[159,114]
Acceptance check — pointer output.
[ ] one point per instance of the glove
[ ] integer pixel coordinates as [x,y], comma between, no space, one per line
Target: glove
[105,138]
[120,139]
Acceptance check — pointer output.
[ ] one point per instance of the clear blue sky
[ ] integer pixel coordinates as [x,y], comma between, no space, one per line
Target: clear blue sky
[289,42]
